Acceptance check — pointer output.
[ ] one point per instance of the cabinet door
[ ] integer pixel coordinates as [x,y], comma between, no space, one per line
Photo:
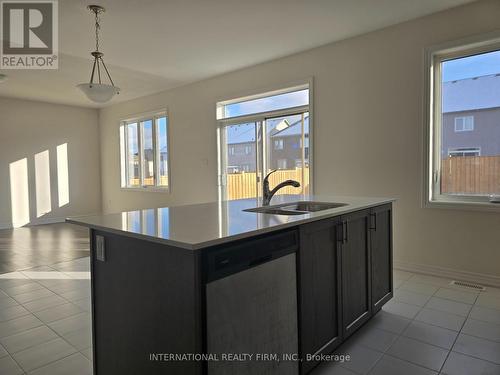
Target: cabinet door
[381,254]
[319,290]
[356,270]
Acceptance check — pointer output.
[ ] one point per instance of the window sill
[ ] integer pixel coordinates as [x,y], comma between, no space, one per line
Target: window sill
[463,205]
[152,189]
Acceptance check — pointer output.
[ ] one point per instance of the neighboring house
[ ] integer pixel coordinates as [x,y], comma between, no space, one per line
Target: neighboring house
[471,117]
[149,169]
[241,157]
[285,147]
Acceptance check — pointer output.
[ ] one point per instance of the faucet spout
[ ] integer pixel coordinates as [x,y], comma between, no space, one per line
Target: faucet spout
[267,194]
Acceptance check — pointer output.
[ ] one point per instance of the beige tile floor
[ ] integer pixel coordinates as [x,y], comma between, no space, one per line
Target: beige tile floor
[45,324]
[430,327]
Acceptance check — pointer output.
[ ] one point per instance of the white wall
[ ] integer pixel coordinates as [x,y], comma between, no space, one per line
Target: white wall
[29,128]
[368,108]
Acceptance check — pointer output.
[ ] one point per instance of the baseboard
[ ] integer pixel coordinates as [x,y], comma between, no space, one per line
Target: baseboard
[43,221]
[450,273]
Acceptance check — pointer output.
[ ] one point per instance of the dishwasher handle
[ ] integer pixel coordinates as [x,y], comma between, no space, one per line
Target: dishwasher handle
[227,260]
[262,259]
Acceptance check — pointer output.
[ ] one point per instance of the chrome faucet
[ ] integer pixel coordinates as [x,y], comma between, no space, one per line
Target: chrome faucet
[268,194]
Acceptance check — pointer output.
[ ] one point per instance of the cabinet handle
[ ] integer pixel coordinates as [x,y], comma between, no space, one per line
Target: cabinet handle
[373,224]
[340,232]
[345,232]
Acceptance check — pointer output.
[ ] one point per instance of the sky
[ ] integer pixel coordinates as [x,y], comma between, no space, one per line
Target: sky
[472,66]
[132,135]
[269,103]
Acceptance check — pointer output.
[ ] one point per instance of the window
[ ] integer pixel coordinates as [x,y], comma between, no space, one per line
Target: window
[281,164]
[463,134]
[144,152]
[464,124]
[267,102]
[458,152]
[273,127]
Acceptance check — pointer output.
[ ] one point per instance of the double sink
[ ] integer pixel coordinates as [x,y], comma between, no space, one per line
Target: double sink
[296,208]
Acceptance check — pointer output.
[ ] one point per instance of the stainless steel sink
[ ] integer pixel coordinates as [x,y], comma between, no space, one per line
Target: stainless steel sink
[296,208]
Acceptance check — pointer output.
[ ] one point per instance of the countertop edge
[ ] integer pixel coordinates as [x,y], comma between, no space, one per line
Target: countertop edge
[231,238]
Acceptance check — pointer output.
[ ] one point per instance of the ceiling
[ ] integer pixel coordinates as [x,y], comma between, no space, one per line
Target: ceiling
[154,45]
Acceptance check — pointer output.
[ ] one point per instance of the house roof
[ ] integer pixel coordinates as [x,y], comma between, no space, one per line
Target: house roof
[244,134]
[471,94]
[294,129]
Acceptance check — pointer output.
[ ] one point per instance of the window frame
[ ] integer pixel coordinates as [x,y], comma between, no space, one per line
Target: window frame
[123,150]
[464,150]
[259,119]
[433,56]
[464,118]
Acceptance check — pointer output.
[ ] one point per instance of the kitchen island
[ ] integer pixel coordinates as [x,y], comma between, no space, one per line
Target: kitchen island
[215,289]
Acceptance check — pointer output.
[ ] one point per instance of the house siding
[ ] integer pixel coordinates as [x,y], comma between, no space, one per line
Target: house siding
[486,133]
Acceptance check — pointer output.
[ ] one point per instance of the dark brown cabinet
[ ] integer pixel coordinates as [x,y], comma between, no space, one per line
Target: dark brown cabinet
[354,243]
[319,289]
[381,254]
[344,277]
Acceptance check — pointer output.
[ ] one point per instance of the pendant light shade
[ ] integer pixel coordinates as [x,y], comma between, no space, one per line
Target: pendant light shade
[98,92]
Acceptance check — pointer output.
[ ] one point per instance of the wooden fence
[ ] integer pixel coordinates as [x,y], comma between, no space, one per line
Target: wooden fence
[470,175]
[459,175]
[244,185]
[149,181]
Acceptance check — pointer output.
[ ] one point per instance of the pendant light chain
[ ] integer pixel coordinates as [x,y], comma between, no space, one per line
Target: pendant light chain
[98,92]
[97,28]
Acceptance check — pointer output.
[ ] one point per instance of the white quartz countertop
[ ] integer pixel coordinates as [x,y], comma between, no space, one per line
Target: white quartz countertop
[198,226]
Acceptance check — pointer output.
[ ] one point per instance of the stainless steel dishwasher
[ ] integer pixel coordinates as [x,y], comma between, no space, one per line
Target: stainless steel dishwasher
[252,307]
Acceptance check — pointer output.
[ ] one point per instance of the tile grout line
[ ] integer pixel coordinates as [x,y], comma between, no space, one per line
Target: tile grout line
[478,358]
[45,324]
[425,306]
[404,330]
[33,369]
[411,321]
[57,360]
[18,365]
[34,313]
[399,335]
[413,363]
[456,338]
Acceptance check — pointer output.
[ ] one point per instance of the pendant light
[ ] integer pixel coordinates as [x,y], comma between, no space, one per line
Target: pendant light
[97,91]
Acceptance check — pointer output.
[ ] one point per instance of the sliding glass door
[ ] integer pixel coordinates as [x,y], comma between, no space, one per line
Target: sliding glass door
[261,133]
[287,150]
[249,151]
[239,160]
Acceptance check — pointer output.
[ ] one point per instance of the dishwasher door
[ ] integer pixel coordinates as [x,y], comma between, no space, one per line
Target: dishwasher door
[254,312]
